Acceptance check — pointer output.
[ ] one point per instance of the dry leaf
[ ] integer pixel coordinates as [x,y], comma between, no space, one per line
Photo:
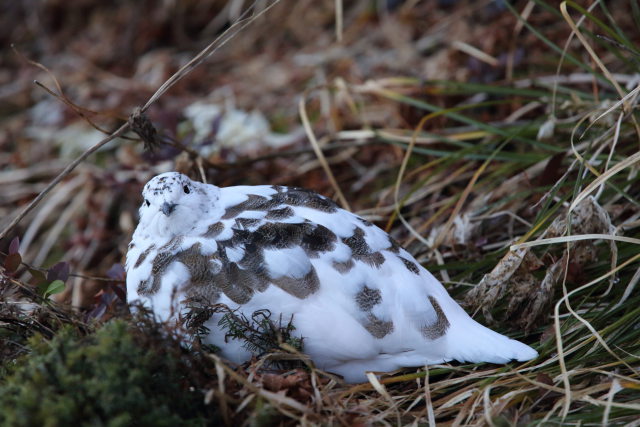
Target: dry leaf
[529,298]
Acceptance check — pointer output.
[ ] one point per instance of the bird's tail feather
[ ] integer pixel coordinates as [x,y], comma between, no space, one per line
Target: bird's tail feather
[472,342]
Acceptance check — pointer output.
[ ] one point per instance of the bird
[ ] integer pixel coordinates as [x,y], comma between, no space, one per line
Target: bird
[358,300]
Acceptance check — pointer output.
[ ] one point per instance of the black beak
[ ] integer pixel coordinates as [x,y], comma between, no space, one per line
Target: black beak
[167,208]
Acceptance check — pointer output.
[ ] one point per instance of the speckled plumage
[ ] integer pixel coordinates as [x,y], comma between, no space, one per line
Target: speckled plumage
[360,302]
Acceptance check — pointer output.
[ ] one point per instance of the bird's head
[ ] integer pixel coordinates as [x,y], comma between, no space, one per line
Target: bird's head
[173,204]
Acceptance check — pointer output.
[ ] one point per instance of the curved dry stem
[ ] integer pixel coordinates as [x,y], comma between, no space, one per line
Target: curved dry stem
[319,154]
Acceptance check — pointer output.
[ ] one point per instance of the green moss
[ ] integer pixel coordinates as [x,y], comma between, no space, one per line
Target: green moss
[115,377]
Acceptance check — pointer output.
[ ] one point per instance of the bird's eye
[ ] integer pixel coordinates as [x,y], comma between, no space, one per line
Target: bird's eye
[147,202]
[186,189]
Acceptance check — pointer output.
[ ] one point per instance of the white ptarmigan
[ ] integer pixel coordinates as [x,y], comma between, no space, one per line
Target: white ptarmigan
[360,302]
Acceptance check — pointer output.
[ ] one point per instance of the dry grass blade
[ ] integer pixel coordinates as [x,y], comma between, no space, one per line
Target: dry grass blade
[278,399]
[319,154]
[121,131]
[475,52]
[574,238]
[596,59]
[559,343]
[238,26]
[339,20]
[427,398]
[220,372]
[629,161]
[587,46]
[401,172]
[615,106]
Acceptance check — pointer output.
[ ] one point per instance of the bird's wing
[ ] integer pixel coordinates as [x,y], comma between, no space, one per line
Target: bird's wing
[317,255]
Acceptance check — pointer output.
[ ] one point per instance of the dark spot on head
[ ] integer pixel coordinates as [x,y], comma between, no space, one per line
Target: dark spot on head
[440,326]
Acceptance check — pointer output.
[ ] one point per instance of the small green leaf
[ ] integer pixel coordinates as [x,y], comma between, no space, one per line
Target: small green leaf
[54,287]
